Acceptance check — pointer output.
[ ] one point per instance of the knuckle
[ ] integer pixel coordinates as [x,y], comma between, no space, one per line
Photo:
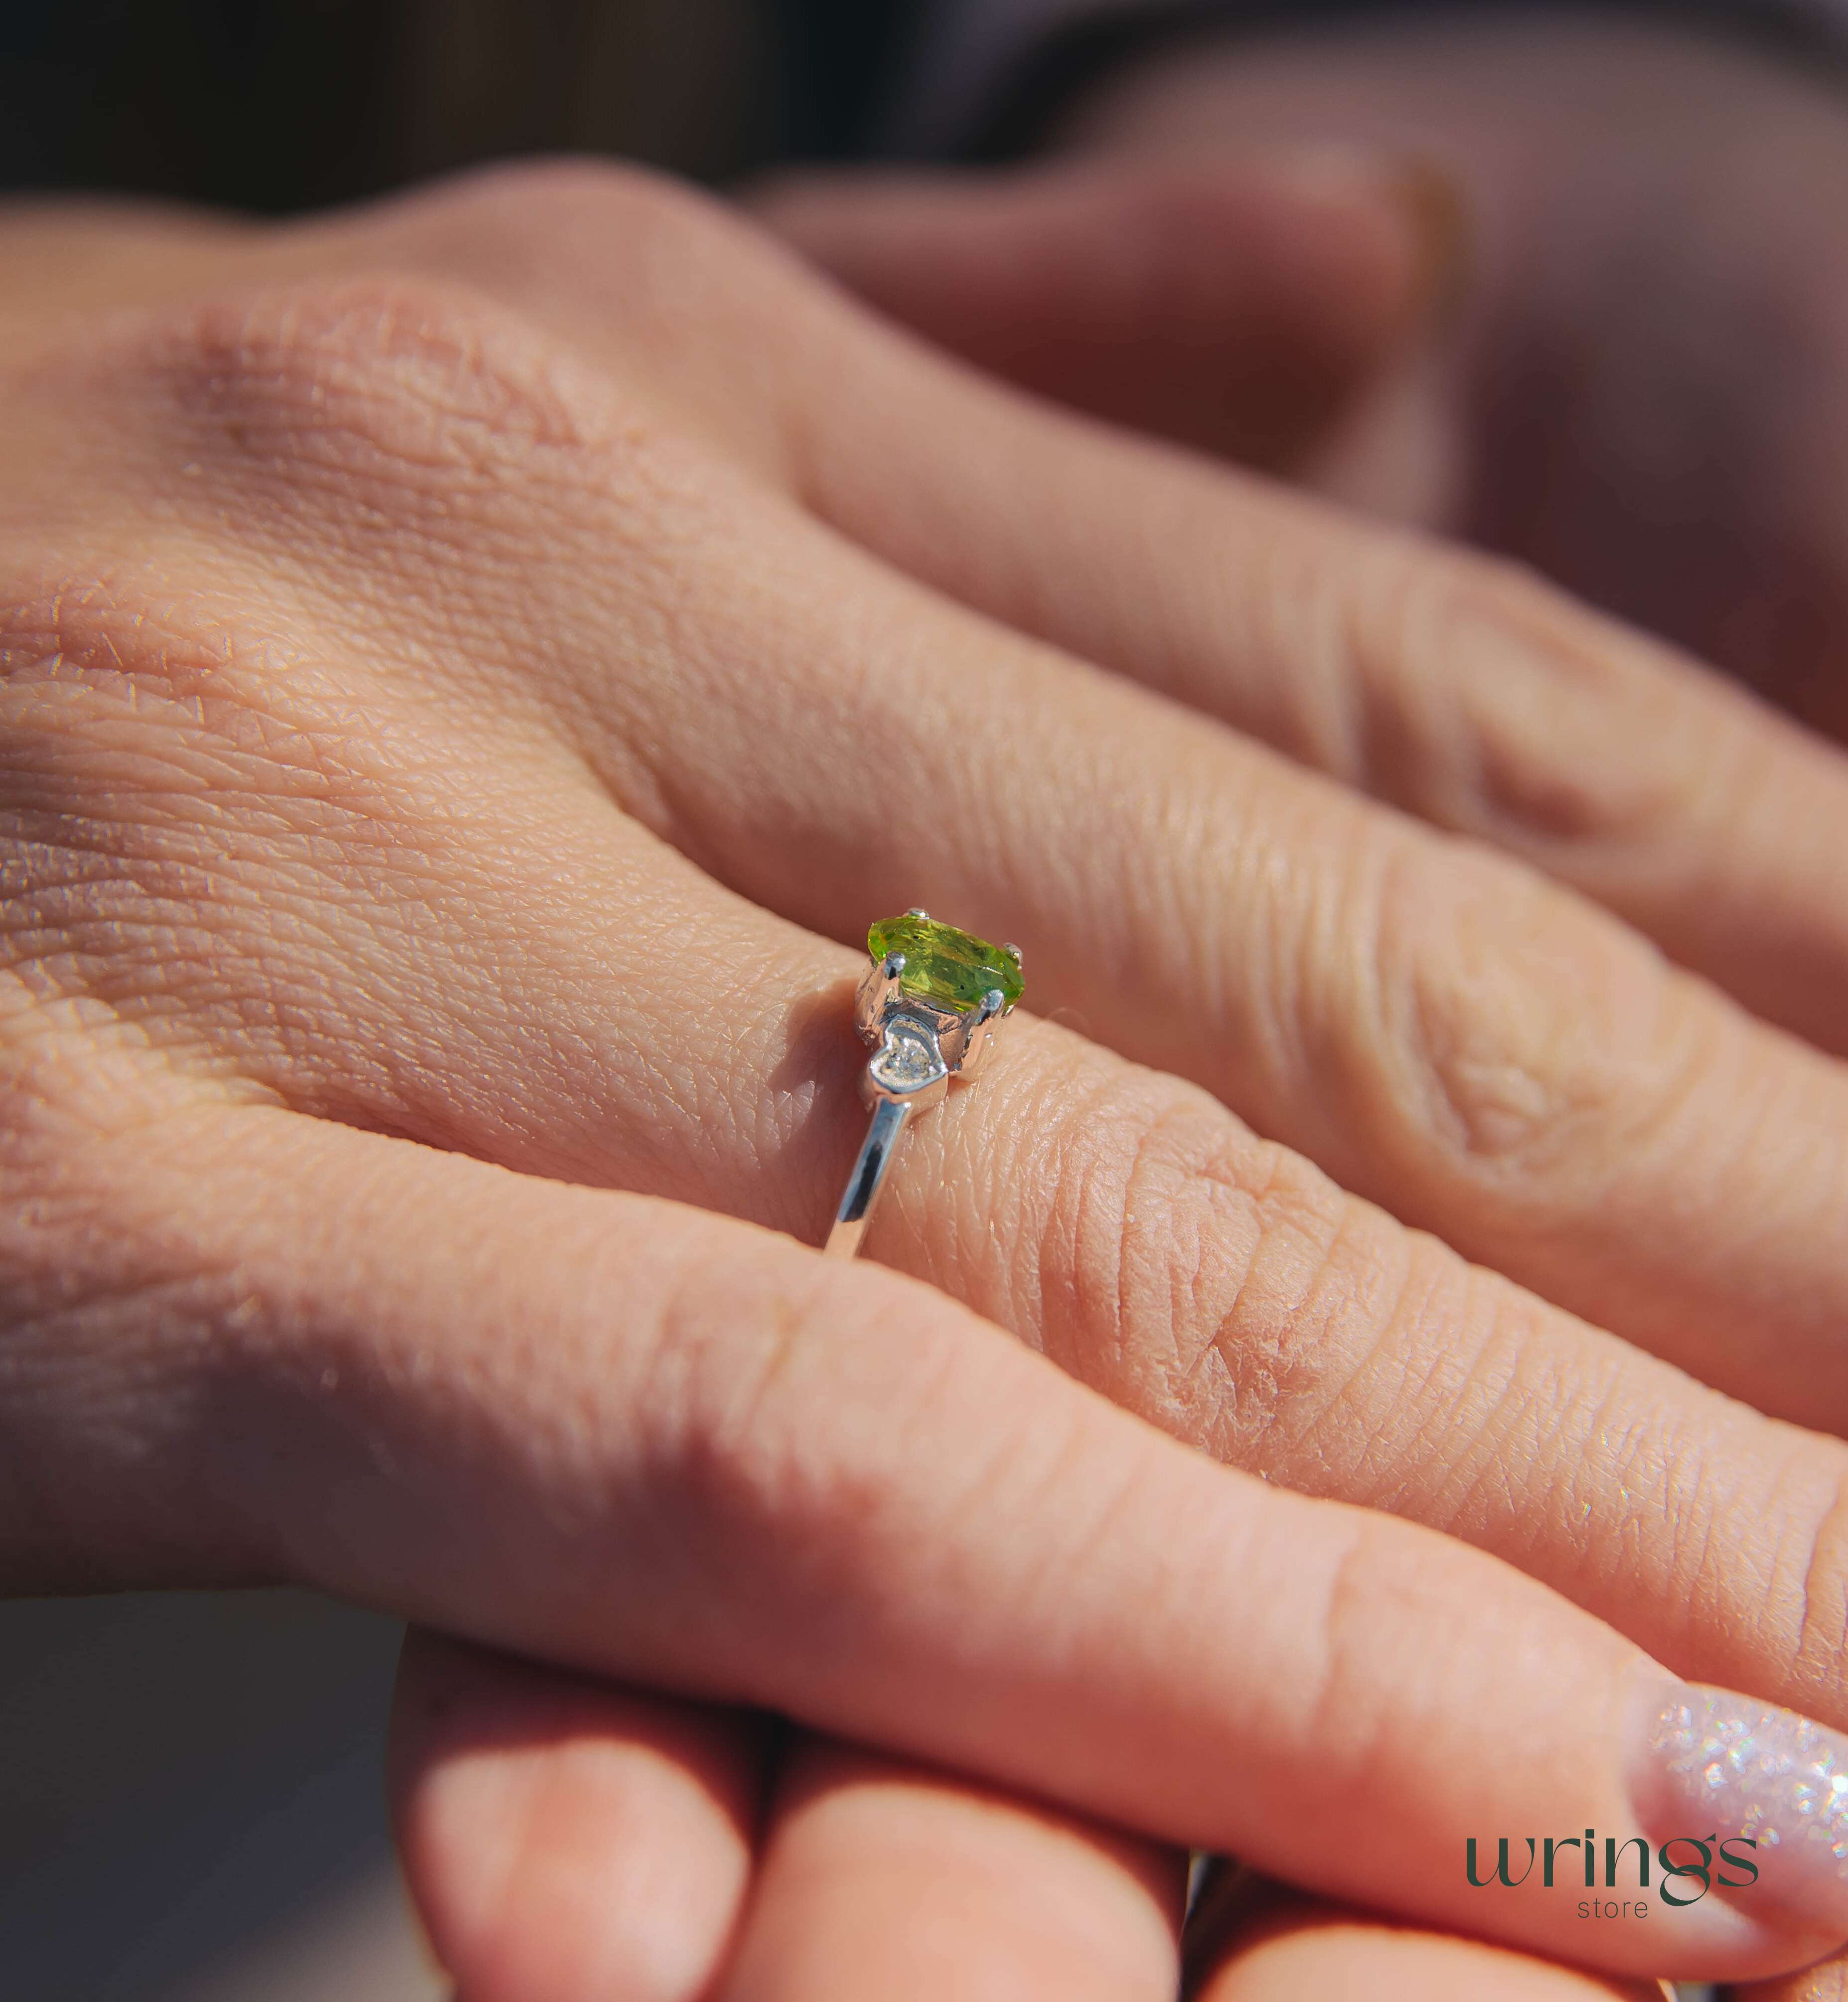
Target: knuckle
[667,288]
[672,281]
[533,209]
[358,404]
[1815,1583]
[1503,1034]
[387,429]
[1373,1596]
[412,423]
[1487,701]
[1210,1282]
[1229,1291]
[382,381]
[770,1462]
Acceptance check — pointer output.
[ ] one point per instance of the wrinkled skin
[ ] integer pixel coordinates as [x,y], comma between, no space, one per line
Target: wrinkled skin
[469,668]
[1633,379]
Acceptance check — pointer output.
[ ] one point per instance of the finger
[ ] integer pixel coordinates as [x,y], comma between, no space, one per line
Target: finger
[670,1449]
[35,1221]
[1285,1948]
[1437,1028]
[1241,305]
[1513,1073]
[1640,450]
[1124,1223]
[883,1878]
[1444,683]
[1440,1030]
[564,1839]
[1826,1984]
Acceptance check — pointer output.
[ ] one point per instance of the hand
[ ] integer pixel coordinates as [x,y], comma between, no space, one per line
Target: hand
[567,1839]
[1828,1983]
[463,664]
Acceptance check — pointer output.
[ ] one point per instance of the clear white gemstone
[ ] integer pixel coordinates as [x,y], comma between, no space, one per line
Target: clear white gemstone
[908,1059]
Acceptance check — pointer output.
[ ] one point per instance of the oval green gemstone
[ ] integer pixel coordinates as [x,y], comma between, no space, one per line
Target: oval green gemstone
[948,968]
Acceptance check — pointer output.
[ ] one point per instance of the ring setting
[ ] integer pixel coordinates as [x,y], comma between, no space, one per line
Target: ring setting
[929,1005]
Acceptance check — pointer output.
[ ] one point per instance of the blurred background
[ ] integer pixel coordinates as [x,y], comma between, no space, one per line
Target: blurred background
[274,105]
[190,1804]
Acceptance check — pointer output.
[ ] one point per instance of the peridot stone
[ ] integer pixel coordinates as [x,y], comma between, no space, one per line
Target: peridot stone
[948,968]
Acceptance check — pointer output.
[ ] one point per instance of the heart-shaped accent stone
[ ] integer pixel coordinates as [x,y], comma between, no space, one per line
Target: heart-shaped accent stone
[908,1060]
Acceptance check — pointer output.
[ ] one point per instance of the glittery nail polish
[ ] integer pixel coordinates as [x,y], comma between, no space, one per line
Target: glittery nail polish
[1709,1764]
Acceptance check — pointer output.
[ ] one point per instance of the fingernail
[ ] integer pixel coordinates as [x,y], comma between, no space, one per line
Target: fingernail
[1721,1768]
[1440,212]
[1417,191]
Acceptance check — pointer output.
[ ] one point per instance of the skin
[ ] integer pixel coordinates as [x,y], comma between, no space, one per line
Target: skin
[1818,1984]
[1635,386]
[1647,411]
[1730,542]
[422,628]
[618,1845]
[1646,282]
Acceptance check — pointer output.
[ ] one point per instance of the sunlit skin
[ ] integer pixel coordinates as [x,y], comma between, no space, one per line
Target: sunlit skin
[567,1841]
[1646,268]
[433,656]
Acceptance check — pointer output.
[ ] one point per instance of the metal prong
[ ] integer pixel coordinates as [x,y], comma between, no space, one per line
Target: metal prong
[1014,952]
[875,993]
[976,1028]
[916,911]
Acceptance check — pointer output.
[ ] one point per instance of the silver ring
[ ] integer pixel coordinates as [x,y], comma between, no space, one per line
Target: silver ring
[929,1005]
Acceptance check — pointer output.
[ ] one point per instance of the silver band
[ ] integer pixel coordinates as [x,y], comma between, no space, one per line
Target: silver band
[917,1048]
[889,1117]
